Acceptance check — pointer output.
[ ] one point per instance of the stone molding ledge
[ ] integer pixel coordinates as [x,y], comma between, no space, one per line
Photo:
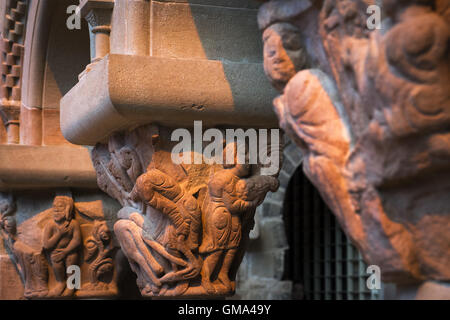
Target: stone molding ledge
[123,91]
[32,167]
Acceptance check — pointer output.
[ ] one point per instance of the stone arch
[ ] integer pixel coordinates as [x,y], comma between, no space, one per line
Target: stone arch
[47,74]
[261,272]
[37,31]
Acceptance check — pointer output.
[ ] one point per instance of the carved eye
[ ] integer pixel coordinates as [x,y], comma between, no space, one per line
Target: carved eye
[270,52]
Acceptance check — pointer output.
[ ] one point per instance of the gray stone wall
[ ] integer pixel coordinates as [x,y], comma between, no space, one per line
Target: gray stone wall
[261,271]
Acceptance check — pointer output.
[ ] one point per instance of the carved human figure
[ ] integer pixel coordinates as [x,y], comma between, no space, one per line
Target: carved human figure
[161,192]
[61,241]
[178,238]
[29,262]
[373,125]
[231,194]
[129,229]
[163,220]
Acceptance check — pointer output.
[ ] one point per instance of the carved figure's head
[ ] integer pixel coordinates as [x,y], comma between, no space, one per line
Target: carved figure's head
[283,53]
[62,208]
[9,225]
[7,206]
[235,161]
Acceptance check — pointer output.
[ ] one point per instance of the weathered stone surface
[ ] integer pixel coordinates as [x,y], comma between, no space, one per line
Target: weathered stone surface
[123,91]
[372,123]
[9,288]
[13,19]
[205,32]
[183,227]
[43,246]
[33,167]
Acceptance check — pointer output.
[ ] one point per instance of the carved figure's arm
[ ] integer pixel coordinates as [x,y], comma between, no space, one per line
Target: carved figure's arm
[50,239]
[75,242]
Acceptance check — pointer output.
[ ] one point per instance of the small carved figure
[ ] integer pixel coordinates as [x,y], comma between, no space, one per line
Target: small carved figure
[99,254]
[29,262]
[232,192]
[62,240]
[178,239]
[283,53]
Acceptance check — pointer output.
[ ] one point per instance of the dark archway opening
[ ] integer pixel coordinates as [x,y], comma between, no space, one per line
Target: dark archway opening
[321,261]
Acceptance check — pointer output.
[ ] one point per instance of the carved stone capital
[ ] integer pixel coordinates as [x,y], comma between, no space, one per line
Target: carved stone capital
[183,227]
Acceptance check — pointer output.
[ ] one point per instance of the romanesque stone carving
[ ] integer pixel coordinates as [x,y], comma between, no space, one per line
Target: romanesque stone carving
[30,263]
[68,234]
[100,254]
[62,240]
[183,227]
[373,122]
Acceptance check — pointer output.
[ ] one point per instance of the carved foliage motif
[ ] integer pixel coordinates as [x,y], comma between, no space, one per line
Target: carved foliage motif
[373,123]
[182,227]
[46,245]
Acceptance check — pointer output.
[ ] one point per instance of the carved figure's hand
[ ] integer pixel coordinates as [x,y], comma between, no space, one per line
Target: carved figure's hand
[58,255]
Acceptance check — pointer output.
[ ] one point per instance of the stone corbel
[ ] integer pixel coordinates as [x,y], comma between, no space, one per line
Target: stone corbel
[183,227]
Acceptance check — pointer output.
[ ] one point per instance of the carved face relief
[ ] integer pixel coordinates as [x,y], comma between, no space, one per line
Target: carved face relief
[61,209]
[283,53]
[185,231]
[9,224]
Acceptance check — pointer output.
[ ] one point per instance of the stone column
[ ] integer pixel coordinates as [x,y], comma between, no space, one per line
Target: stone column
[98,14]
[364,92]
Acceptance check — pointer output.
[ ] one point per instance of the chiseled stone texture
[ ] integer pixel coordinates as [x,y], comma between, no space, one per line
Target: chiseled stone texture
[11,287]
[32,214]
[37,167]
